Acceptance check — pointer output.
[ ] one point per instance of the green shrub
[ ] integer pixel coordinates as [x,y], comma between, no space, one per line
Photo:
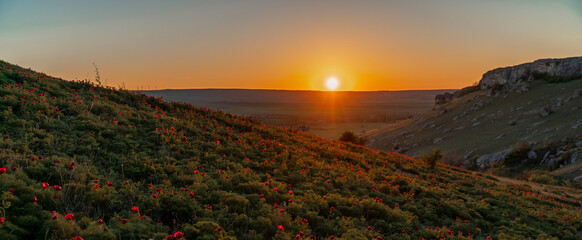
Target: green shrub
[431,160]
[540,176]
[349,136]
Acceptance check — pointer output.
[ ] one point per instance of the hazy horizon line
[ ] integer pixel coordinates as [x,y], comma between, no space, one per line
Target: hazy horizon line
[296,90]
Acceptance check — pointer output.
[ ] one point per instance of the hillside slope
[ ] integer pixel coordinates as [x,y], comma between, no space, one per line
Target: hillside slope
[85,161]
[540,117]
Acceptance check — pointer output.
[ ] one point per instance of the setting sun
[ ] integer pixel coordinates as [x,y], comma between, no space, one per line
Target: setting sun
[332,83]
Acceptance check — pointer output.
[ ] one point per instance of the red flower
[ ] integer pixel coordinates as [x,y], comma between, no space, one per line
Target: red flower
[14,169]
[109,183]
[96,186]
[69,216]
[78,238]
[2,170]
[170,237]
[280,227]
[2,219]
[57,187]
[55,216]
[100,221]
[34,199]
[134,209]
[45,185]
[123,220]
[155,196]
[219,229]
[178,235]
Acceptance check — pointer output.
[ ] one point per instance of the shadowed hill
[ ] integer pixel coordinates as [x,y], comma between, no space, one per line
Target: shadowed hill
[521,119]
[82,160]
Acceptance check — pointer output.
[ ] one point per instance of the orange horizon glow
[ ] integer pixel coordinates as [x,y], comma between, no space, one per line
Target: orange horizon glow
[367,45]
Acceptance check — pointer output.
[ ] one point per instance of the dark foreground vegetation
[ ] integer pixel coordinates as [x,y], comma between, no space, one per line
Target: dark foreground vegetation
[83,161]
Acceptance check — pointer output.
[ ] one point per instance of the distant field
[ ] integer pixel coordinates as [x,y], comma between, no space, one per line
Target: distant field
[328,114]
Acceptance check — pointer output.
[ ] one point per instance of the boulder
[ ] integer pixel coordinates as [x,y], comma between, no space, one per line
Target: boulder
[532,155]
[576,156]
[440,99]
[545,111]
[486,160]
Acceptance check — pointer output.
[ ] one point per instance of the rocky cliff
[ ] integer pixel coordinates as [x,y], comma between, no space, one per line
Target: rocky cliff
[516,77]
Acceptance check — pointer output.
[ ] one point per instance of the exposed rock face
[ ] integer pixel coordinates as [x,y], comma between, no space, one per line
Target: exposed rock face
[516,75]
[486,160]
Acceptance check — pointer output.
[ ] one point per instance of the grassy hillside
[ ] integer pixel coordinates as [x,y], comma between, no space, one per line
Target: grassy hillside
[84,161]
[478,124]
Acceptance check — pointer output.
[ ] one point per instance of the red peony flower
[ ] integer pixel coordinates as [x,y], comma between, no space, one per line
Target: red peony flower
[2,170]
[45,185]
[123,220]
[178,235]
[57,187]
[34,199]
[134,209]
[280,227]
[69,216]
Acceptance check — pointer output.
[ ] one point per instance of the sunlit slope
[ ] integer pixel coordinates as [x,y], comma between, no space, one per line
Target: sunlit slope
[78,159]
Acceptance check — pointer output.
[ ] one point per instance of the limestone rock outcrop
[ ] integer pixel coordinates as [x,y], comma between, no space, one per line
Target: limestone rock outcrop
[517,75]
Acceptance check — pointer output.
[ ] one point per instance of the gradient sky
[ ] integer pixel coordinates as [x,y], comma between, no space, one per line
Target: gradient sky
[367,45]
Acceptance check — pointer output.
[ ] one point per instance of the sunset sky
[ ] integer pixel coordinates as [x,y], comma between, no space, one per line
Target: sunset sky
[366,45]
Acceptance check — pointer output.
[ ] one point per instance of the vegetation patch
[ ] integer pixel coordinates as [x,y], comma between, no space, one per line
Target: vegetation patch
[84,161]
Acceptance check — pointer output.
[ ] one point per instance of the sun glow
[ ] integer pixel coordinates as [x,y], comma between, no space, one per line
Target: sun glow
[332,83]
